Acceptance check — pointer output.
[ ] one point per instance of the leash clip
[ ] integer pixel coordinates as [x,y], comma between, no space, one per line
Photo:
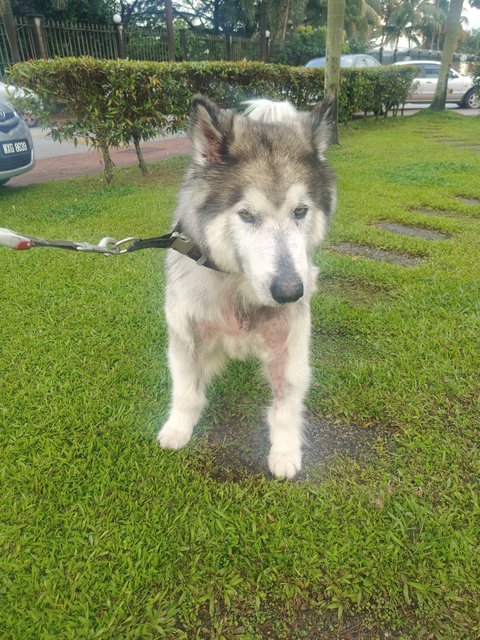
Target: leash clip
[181,243]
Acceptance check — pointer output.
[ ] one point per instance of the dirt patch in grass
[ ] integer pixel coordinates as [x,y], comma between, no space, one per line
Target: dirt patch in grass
[416,232]
[352,290]
[440,213]
[236,451]
[469,200]
[381,255]
[305,620]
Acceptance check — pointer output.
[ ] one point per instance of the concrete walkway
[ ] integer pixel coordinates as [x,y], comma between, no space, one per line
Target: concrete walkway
[80,162]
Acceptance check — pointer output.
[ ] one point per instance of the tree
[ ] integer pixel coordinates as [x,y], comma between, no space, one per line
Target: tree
[94,11]
[335,23]
[451,38]
[361,16]
[6,12]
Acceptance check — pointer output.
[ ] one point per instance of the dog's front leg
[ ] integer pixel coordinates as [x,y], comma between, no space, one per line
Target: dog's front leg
[188,396]
[289,375]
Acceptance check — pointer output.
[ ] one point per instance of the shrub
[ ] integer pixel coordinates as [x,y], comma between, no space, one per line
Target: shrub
[303,45]
[117,102]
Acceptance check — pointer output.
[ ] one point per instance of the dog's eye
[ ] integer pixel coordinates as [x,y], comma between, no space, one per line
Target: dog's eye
[300,212]
[246,215]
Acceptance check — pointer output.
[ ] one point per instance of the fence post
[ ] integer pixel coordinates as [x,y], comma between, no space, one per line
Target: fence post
[229,42]
[39,38]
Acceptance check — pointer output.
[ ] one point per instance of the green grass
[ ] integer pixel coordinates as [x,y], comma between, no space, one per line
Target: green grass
[104,535]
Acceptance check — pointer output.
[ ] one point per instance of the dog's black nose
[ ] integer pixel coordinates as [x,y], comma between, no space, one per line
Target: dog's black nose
[284,291]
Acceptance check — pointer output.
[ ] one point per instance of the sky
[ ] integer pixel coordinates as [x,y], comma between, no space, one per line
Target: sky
[473,16]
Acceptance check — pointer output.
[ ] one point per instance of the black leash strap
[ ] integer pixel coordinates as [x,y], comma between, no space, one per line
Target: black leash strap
[111,247]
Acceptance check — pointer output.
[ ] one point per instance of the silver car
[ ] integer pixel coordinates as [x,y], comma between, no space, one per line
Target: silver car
[16,145]
[459,89]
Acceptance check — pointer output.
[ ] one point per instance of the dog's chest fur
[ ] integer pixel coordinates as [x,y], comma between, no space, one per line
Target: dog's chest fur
[240,332]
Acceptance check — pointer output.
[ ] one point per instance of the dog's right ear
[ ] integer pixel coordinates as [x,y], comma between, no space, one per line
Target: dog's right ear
[322,118]
[210,131]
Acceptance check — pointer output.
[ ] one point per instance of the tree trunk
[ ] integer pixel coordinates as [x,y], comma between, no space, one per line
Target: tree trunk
[107,163]
[10,30]
[335,20]
[263,30]
[216,18]
[450,42]
[169,24]
[141,161]
[285,22]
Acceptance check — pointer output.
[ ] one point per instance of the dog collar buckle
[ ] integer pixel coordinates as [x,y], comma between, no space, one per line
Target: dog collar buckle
[184,245]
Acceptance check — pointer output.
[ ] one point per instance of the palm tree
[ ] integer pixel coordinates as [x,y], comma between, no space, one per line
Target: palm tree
[408,19]
[335,23]
[451,38]
[361,16]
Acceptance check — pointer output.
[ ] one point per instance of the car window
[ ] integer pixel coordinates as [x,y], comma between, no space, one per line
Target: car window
[370,62]
[430,71]
[358,62]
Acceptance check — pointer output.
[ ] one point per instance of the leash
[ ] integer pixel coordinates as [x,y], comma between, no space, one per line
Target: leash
[111,247]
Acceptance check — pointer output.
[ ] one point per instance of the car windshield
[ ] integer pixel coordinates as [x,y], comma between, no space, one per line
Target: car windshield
[347,61]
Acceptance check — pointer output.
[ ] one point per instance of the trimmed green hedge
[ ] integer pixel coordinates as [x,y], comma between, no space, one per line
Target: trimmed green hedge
[116,102]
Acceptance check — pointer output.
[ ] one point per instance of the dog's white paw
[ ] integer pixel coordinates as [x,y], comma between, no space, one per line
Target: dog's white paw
[285,465]
[171,437]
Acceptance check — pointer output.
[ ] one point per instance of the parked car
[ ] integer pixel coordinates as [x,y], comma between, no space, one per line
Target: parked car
[16,145]
[348,61]
[459,87]
[9,92]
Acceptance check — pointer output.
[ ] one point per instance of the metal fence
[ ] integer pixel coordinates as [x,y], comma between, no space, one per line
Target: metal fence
[46,39]
[66,39]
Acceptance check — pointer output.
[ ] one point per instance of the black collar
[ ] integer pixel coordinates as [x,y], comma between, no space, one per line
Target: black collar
[179,242]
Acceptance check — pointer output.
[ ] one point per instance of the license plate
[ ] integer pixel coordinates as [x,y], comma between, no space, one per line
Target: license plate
[16,146]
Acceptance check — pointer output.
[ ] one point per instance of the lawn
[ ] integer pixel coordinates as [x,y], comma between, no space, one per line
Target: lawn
[104,535]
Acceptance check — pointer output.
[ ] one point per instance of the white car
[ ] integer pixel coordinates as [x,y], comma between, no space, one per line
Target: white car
[459,88]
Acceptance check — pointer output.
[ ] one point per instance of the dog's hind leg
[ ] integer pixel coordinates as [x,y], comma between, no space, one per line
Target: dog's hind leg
[289,376]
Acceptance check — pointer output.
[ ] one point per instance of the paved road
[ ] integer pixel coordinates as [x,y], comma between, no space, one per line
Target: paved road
[55,160]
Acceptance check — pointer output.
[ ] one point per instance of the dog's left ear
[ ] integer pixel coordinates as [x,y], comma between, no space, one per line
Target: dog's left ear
[321,120]
[210,131]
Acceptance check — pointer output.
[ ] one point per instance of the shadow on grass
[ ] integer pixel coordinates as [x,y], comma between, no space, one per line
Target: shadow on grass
[235,450]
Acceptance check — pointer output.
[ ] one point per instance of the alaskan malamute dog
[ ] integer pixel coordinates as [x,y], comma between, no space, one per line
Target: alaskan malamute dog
[257,201]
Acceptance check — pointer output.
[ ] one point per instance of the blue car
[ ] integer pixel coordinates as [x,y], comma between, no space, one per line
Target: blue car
[16,145]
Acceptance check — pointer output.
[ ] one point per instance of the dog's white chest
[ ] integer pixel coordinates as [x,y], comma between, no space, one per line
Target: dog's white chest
[261,332]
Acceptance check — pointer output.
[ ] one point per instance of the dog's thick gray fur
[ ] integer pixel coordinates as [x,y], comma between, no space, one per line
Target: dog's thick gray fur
[257,200]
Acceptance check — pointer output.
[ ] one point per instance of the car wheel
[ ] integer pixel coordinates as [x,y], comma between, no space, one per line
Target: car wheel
[471,100]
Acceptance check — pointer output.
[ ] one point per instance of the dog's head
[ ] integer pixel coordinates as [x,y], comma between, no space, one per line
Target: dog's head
[262,195]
